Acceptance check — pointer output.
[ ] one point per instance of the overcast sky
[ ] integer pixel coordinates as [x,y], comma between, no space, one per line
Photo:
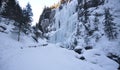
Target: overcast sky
[37,6]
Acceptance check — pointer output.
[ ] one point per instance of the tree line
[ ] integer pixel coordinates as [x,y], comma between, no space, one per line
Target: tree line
[23,17]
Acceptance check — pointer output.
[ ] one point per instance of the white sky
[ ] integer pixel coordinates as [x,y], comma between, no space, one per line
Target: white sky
[37,7]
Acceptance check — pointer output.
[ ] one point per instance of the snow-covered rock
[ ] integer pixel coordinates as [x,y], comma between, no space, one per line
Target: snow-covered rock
[68,25]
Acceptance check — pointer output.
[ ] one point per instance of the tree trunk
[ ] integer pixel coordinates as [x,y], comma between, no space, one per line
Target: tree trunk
[19,33]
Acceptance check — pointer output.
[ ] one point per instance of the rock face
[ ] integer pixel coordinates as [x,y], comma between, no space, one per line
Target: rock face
[80,20]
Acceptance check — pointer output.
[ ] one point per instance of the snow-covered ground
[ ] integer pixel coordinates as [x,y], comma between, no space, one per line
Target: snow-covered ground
[52,57]
[29,55]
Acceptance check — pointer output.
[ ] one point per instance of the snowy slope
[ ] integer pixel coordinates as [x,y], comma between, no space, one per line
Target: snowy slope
[8,36]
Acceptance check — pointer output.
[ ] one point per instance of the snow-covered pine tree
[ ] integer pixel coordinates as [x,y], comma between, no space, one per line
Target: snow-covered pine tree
[27,13]
[27,18]
[96,21]
[109,25]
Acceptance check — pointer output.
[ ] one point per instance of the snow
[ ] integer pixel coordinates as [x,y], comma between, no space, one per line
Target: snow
[95,56]
[66,23]
[29,55]
[51,57]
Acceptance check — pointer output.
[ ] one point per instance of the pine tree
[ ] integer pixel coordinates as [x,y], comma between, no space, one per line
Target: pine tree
[109,25]
[84,19]
[27,13]
[27,18]
[85,22]
[22,17]
[95,26]
[78,32]
[96,21]
[14,11]
[9,9]
[0,3]
[19,18]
